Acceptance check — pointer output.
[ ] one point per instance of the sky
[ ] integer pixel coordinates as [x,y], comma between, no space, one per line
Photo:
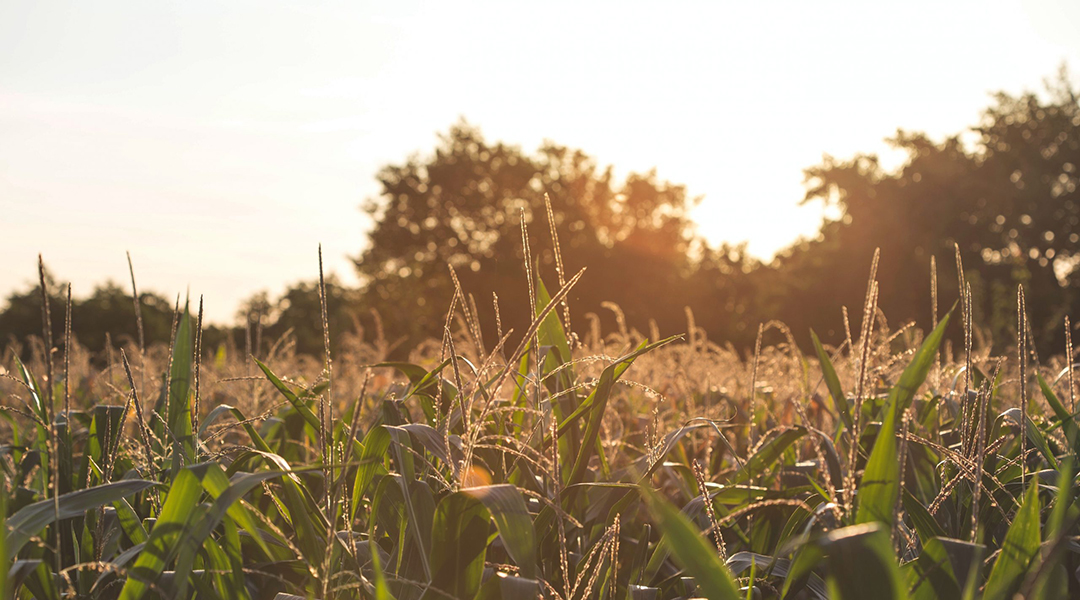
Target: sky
[222,142]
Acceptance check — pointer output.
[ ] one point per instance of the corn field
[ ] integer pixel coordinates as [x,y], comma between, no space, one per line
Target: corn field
[566,465]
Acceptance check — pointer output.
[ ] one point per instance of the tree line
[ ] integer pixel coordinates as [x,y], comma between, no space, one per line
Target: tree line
[1003,191]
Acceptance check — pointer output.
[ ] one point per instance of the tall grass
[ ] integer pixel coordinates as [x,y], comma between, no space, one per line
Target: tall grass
[574,466]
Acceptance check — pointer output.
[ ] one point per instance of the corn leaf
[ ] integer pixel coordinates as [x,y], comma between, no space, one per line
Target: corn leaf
[507,508]
[832,382]
[1019,550]
[180,373]
[881,479]
[901,395]
[698,557]
[30,520]
[768,453]
[861,564]
[371,458]
[459,544]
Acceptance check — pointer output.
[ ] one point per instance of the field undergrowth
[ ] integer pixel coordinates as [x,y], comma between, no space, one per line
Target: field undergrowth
[570,466]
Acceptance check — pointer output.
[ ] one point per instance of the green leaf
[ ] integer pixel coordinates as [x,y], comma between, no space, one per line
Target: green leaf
[130,522]
[422,381]
[966,559]
[179,414]
[1019,550]
[411,535]
[300,509]
[459,538]
[507,508]
[1032,431]
[768,453]
[371,458]
[37,399]
[228,579]
[207,518]
[772,566]
[104,428]
[1050,585]
[430,439]
[1063,500]
[880,483]
[612,374]
[382,590]
[298,404]
[19,571]
[419,503]
[308,522]
[861,564]
[412,371]
[800,571]
[217,483]
[509,587]
[901,395]
[1068,420]
[551,331]
[832,382]
[184,525]
[698,557]
[178,508]
[39,582]
[30,520]
[597,403]
[925,524]
[931,576]
[881,479]
[37,405]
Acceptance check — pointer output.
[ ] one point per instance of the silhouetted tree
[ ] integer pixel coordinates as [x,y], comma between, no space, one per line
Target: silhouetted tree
[108,310]
[463,206]
[726,294]
[299,312]
[1009,201]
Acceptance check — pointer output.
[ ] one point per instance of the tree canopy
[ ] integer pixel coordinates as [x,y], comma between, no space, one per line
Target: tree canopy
[463,206]
[107,311]
[1007,198]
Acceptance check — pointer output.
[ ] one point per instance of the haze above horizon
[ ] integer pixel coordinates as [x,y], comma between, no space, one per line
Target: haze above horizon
[221,143]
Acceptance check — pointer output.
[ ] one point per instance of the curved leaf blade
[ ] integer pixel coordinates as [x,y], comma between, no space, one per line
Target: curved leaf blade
[1019,550]
[832,382]
[700,560]
[30,520]
[459,544]
[507,508]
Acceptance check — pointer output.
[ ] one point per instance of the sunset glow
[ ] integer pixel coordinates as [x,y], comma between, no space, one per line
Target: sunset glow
[221,142]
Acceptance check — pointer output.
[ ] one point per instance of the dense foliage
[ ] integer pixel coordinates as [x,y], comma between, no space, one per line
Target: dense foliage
[1008,197]
[463,207]
[612,467]
[1005,191]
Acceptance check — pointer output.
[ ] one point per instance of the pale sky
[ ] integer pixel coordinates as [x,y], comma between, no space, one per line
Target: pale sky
[222,141]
